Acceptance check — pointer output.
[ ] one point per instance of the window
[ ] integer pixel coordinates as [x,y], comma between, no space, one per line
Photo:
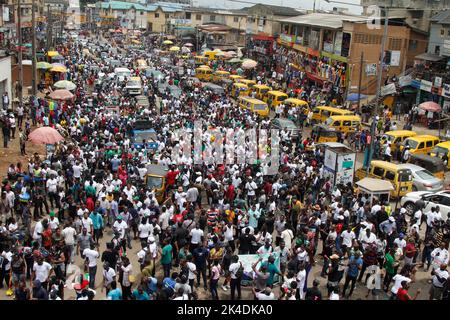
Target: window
[442,32]
[235,19]
[198,17]
[142,13]
[421,146]
[378,171]
[395,44]
[188,15]
[437,50]
[336,124]
[448,32]
[212,18]
[413,44]
[167,16]
[390,175]
[347,123]
[156,15]
[429,144]
[445,201]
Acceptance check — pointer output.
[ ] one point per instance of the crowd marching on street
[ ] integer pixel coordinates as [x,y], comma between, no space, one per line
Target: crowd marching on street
[87,206]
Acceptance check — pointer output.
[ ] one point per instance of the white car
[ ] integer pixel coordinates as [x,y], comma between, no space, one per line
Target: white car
[430,199]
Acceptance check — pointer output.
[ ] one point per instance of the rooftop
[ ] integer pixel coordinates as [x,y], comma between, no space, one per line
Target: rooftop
[442,17]
[277,10]
[324,20]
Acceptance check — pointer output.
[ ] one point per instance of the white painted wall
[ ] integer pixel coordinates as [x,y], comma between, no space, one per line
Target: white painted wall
[5,74]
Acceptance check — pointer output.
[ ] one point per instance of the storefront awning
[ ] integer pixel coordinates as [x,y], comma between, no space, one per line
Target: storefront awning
[429,57]
[313,77]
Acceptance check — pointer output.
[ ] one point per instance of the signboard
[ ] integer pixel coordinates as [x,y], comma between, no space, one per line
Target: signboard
[286,38]
[395,58]
[5,14]
[330,159]
[328,47]
[388,89]
[446,90]
[438,82]
[404,81]
[345,168]
[415,83]
[181,22]
[260,50]
[426,85]
[338,43]
[371,69]
[299,40]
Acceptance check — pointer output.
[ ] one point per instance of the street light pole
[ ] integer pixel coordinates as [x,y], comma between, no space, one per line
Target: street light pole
[380,67]
[19,47]
[33,48]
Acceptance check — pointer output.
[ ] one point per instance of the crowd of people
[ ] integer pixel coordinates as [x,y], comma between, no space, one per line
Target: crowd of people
[86,207]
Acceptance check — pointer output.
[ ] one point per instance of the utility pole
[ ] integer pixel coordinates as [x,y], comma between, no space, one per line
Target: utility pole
[49,28]
[360,80]
[380,68]
[19,46]
[33,48]
[61,21]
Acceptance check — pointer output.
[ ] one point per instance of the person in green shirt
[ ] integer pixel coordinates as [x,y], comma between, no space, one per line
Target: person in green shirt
[140,294]
[182,254]
[272,270]
[166,258]
[389,265]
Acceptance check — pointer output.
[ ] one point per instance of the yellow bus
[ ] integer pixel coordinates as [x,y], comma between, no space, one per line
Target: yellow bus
[204,74]
[254,105]
[219,75]
[260,91]
[275,98]
[420,144]
[322,113]
[239,89]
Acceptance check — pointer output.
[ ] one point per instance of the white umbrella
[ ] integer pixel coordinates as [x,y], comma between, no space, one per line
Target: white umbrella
[249,64]
[185,50]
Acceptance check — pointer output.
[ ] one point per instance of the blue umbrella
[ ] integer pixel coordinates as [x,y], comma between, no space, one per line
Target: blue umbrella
[354,97]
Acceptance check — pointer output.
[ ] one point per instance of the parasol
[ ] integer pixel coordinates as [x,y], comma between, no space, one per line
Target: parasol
[53,53]
[430,106]
[174,49]
[354,97]
[249,64]
[61,94]
[43,65]
[188,44]
[167,42]
[65,84]
[45,135]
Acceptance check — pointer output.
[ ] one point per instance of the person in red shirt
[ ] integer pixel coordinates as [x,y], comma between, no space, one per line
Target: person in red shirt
[229,194]
[90,205]
[47,237]
[410,251]
[171,177]
[402,293]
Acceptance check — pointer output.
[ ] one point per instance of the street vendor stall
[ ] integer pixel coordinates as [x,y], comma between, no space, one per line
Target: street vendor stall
[376,189]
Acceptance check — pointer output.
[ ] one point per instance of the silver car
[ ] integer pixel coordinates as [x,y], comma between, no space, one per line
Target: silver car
[423,180]
[285,124]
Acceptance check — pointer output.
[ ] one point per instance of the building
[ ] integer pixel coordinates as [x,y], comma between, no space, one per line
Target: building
[327,48]
[163,16]
[126,15]
[5,75]
[439,43]
[264,19]
[186,2]
[417,13]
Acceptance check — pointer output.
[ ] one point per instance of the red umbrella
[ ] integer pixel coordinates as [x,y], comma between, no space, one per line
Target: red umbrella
[61,94]
[430,106]
[45,135]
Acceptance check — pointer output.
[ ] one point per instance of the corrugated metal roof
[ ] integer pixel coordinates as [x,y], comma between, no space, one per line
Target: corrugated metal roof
[122,5]
[324,20]
[442,17]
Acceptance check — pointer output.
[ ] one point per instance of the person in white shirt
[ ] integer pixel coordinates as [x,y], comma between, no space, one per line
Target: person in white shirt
[87,223]
[301,278]
[120,226]
[235,277]
[196,236]
[42,271]
[439,256]
[91,255]
[398,279]
[267,294]
[439,280]
[347,239]
[400,241]
[164,218]
[144,229]
[37,233]
[109,276]
[368,238]
[192,271]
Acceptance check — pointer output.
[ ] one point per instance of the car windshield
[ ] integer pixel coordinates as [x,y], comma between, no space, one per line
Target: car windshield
[411,143]
[329,122]
[404,175]
[439,151]
[259,107]
[154,182]
[424,174]
[139,137]
[134,83]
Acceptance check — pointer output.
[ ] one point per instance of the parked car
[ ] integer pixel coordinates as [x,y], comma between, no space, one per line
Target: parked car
[423,180]
[285,124]
[427,200]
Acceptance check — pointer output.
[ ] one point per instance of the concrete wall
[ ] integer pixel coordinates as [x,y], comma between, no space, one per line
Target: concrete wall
[369,42]
[438,40]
